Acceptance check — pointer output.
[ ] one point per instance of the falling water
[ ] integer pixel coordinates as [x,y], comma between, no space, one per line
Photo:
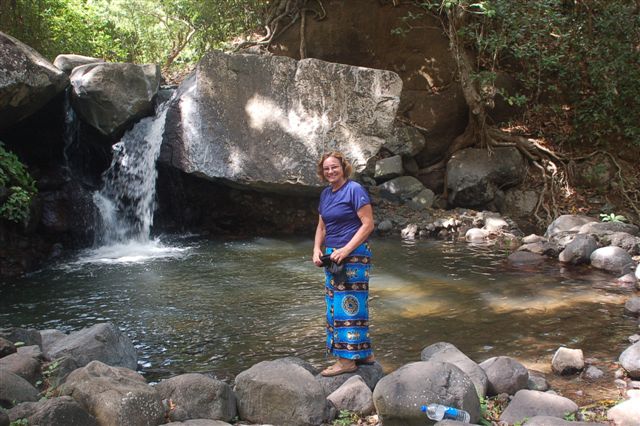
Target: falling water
[127,199]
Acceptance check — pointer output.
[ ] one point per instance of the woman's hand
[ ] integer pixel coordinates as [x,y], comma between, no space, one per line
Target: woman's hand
[316,257]
[339,255]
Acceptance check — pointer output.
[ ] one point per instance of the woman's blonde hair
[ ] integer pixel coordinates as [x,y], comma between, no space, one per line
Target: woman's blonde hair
[346,165]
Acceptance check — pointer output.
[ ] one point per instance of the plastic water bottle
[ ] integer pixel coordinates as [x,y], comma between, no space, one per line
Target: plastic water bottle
[439,412]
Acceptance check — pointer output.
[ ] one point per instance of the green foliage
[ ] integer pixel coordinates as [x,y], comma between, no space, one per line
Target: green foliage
[19,422]
[17,188]
[612,217]
[346,418]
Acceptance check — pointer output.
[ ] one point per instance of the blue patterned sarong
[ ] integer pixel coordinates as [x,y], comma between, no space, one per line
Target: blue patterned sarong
[347,300]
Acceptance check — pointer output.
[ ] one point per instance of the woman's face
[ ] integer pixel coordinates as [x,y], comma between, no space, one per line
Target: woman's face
[332,170]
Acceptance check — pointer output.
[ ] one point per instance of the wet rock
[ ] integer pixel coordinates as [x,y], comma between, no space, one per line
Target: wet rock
[101,342]
[409,232]
[567,222]
[354,395]
[630,360]
[399,394]
[385,226]
[68,62]
[388,168]
[527,404]
[446,352]
[542,247]
[632,306]
[6,347]
[115,396]
[567,361]
[15,389]
[524,258]
[61,411]
[196,396]
[611,258]
[111,96]
[504,375]
[626,413]
[280,392]
[579,250]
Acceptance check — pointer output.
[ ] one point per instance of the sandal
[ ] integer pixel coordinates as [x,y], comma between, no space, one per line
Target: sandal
[370,360]
[336,370]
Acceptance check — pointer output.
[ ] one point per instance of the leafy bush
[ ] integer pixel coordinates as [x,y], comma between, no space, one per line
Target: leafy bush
[17,188]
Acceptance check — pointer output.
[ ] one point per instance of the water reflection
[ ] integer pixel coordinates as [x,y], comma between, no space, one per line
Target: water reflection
[221,306]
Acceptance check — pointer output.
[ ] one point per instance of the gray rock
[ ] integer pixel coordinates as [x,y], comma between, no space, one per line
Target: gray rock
[263,121]
[68,62]
[409,232]
[579,250]
[59,369]
[631,307]
[524,258]
[6,347]
[196,396]
[446,352]
[401,188]
[14,389]
[612,259]
[410,166]
[28,337]
[537,383]
[629,278]
[592,373]
[630,360]
[115,396]
[110,96]
[354,395]
[567,361]
[24,366]
[27,82]
[545,248]
[638,272]
[404,140]
[4,419]
[626,413]
[101,342]
[282,393]
[599,228]
[398,396]
[527,404]
[518,203]
[504,375]
[567,222]
[424,199]
[555,421]
[22,411]
[385,226]
[533,238]
[474,175]
[199,422]
[495,224]
[32,351]
[476,235]
[49,337]
[61,411]
[630,243]
[388,168]
[371,374]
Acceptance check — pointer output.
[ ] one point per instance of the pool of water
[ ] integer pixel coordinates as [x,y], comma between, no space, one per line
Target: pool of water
[196,305]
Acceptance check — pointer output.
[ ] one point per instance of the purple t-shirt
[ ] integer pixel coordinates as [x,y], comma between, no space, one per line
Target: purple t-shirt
[339,212]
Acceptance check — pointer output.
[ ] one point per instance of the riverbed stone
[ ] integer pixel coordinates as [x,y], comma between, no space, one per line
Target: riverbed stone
[25,336]
[6,347]
[388,168]
[631,306]
[385,226]
[199,422]
[579,250]
[25,366]
[423,199]
[67,62]
[111,96]
[612,259]
[567,222]
[196,396]
[115,396]
[567,361]
[447,352]
[58,370]
[263,121]
[15,389]
[630,360]
[398,395]
[504,375]
[638,272]
[100,342]
[599,228]
[545,248]
[626,413]
[537,383]
[592,373]
[354,395]
[525,258]
[476,235]
[555,421]
[58,411]
[630,243]
[527,404]
[371,374]
[282,393]
[533,238]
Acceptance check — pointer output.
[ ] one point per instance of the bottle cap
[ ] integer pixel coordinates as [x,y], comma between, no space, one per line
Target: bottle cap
[423,408]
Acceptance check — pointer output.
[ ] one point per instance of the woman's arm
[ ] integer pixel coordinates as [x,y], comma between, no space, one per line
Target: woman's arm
[318,241]
[366,217]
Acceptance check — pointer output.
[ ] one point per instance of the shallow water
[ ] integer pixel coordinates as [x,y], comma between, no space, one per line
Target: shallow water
[196,305]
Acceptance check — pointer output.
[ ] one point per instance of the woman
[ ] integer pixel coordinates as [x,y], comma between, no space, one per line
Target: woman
[345,222]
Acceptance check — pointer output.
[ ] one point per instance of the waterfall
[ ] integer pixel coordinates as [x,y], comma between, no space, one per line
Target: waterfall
[126,201]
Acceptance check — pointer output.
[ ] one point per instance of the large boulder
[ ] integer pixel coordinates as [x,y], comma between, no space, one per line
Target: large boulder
[196,396]
[627,413]
[567,223]
[399,395]
[115,396]
[446,352]
[354,395]
[579,249]
[68,62]
[612,259]
[527,404]
[112,96]
[475,175]
[567,361]
[26,336]
[630,360]
[27,81]
[15,389]
[505,375]
[24,366]
[101,342]
[264,121]
[405,141]
[599,228]
[283,393]
[61,411]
